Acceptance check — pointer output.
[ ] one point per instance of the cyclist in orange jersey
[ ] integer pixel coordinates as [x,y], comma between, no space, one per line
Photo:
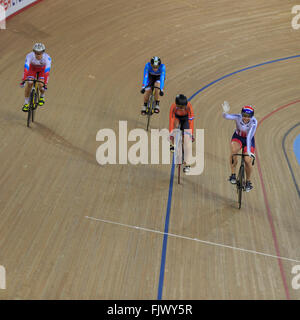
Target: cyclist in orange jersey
[182,113]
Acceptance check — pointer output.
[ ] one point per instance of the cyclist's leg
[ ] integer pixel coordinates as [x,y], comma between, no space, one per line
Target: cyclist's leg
[236,145]
[175,125]
[41,88]
[147,94]
[248,166]
[157,84]
[28,87]
[146,99]
[187,140]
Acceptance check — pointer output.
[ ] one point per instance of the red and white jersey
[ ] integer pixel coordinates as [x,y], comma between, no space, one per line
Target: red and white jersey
[245,130]
[33,65]
[45,62]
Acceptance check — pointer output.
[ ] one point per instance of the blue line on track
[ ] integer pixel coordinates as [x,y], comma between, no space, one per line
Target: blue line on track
[164,249]
[167,220]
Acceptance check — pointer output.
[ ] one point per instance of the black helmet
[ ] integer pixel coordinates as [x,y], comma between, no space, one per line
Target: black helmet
[181,100]
[155,61]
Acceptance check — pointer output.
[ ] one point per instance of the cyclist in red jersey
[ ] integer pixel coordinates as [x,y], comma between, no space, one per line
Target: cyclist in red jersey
[182,113]
[36,61]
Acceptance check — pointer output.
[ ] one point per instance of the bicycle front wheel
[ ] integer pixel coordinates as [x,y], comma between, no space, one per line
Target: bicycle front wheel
[31,107]
[240,185]
[150,110]
[36,103]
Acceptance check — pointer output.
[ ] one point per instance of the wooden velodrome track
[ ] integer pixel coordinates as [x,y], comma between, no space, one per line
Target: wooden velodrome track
[50,181]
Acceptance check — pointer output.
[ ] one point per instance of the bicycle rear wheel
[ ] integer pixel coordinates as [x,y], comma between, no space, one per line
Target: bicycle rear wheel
[29,117]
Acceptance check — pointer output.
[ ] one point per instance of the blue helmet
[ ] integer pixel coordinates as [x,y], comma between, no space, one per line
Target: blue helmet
[248,110]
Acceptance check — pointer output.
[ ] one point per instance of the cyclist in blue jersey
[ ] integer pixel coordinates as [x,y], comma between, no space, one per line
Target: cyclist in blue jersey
[154,74]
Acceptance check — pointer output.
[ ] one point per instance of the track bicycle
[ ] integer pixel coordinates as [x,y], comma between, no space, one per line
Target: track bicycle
[241,181]
[179,149]
[151,105]
[34,98]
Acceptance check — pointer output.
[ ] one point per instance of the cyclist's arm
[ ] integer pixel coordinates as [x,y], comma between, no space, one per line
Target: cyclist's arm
[172,118]
[228,116]
[191,116]
[47,69]
[146,75]
[250,135]
[26,67]
[162,77]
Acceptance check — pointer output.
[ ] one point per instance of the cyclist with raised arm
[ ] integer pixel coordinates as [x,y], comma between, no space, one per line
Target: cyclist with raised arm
[246,125]
[36,61]
[182,113]
[154,75]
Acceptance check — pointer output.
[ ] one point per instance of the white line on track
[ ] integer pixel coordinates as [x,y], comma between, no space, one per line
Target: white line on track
[192,239]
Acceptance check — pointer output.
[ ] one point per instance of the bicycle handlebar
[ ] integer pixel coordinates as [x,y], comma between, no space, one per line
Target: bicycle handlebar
[34,80]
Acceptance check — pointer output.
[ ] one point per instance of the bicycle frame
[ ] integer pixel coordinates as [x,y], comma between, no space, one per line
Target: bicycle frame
[34,98]
[150,107]
[179,151]
[240,183]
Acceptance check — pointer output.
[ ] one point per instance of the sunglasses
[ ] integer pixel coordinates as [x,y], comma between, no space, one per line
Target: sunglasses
[180,107]
[246,115]
[155,67]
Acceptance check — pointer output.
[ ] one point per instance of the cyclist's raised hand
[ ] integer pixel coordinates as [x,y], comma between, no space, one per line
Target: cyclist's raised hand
[225,106]
[22,84]
[143,91]
[161,93]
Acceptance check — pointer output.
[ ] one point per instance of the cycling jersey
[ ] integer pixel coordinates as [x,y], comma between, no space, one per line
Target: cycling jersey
[186,115]
[33,65]
[161,72]
[244,130]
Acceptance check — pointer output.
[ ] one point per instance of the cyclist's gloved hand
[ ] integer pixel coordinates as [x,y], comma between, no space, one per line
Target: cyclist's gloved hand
[226,106]
[193,139]
[45,86]
[143,91]
[161,93]
[251,155]
[22,84]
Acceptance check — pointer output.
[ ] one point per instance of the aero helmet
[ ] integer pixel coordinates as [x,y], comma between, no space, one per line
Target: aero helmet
[155,61]
[39,47]
[181,100]
[248,110]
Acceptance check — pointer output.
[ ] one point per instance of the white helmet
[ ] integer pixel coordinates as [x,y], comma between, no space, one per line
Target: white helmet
[39,47]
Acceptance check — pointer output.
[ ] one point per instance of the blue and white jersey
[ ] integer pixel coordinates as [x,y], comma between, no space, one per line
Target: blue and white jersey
[245,130]
[161,71]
